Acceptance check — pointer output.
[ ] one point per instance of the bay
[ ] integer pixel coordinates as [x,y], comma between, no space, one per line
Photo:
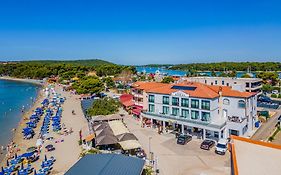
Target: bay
[15,97]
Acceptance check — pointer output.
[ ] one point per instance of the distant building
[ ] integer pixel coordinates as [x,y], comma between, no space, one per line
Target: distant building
[205,110]
[241,84]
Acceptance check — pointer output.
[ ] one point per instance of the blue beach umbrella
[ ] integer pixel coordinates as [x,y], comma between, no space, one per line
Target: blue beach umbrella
[35,172]
[22,165]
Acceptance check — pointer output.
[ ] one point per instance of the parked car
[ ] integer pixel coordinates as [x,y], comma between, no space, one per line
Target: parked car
[183,139]
[221,147]
[275,92]
[207,144]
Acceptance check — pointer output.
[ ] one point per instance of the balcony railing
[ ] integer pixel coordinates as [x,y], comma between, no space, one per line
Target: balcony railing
[235,119]
[198,122]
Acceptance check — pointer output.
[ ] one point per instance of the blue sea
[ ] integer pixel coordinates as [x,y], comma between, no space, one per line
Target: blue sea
[183,73]
[15,96]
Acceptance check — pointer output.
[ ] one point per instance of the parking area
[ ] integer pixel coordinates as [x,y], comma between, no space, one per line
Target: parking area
[179,159]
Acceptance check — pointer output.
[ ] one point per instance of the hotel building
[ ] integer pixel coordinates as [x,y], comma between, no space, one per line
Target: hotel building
[241,84]
[195,108]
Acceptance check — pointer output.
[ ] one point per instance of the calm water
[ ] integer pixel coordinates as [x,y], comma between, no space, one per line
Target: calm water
[183,73]
[13,96]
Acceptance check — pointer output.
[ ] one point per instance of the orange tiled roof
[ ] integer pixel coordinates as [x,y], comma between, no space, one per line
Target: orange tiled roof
[201,91]
[228,92]
[146,85]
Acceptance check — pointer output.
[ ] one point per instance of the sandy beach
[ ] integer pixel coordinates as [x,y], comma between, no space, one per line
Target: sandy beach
[37,82]
[66,152]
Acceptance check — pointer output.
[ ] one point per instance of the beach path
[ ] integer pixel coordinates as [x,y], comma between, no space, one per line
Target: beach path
[67,152]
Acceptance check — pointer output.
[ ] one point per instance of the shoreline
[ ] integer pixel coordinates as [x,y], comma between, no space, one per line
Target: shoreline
[67,150]
[24,80]
[16,135]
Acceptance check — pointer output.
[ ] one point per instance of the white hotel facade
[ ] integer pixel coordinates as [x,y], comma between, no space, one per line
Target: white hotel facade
[203,110]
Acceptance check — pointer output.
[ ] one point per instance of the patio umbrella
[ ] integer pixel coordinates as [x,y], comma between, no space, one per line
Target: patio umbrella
[7,162]
[46,157]
[16,155]
[22,165]
[35,172]
[2,169]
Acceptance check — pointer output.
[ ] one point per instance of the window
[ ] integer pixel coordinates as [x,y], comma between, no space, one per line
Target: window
[151,98]
[235,82]
[175,111]
[151,108]
[194,103]
[226,101]
[205,116]
[184,102]
[184,113]
[227,84]
[205,81]
[216,82]
[166,100]
[212,83]
[222,82]
[205,104]
[175,101]
[194,114]
[165,110]
[241,104]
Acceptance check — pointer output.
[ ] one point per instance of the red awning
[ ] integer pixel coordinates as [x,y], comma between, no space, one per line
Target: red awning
[128,103]
[126,97]
[137,111]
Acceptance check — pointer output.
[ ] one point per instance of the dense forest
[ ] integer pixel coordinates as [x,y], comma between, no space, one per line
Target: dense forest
[63,69]
[225,66]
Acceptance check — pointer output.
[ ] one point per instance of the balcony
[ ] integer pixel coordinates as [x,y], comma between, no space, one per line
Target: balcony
[236,123]
[182,119]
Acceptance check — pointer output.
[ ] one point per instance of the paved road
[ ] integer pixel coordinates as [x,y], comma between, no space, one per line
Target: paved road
[267,128]
[174,159]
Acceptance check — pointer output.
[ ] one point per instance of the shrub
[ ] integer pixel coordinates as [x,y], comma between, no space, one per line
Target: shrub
[274,95]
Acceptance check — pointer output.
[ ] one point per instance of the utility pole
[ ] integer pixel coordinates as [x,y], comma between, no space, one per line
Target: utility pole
[149,149]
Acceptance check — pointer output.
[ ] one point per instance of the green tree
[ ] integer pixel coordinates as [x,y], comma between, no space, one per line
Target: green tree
[104,106]
[167,80]
[267,88]
[88,85]
[269,77]
[246,76]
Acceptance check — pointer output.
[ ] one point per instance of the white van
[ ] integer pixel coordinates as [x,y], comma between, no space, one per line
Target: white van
[221,146]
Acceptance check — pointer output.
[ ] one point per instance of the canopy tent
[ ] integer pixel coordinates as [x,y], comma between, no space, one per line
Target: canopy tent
[130,144]
[118,127]
[101,118]
[126,136]
[100,126]
[103,132]
[106,140]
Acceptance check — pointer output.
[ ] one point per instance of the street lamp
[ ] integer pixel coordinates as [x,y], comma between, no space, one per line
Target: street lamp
[149,148]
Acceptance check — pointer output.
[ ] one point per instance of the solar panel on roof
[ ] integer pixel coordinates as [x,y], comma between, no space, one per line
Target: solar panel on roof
[189,88]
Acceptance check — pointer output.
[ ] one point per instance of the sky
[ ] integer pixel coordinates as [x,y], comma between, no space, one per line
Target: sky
[141,31]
